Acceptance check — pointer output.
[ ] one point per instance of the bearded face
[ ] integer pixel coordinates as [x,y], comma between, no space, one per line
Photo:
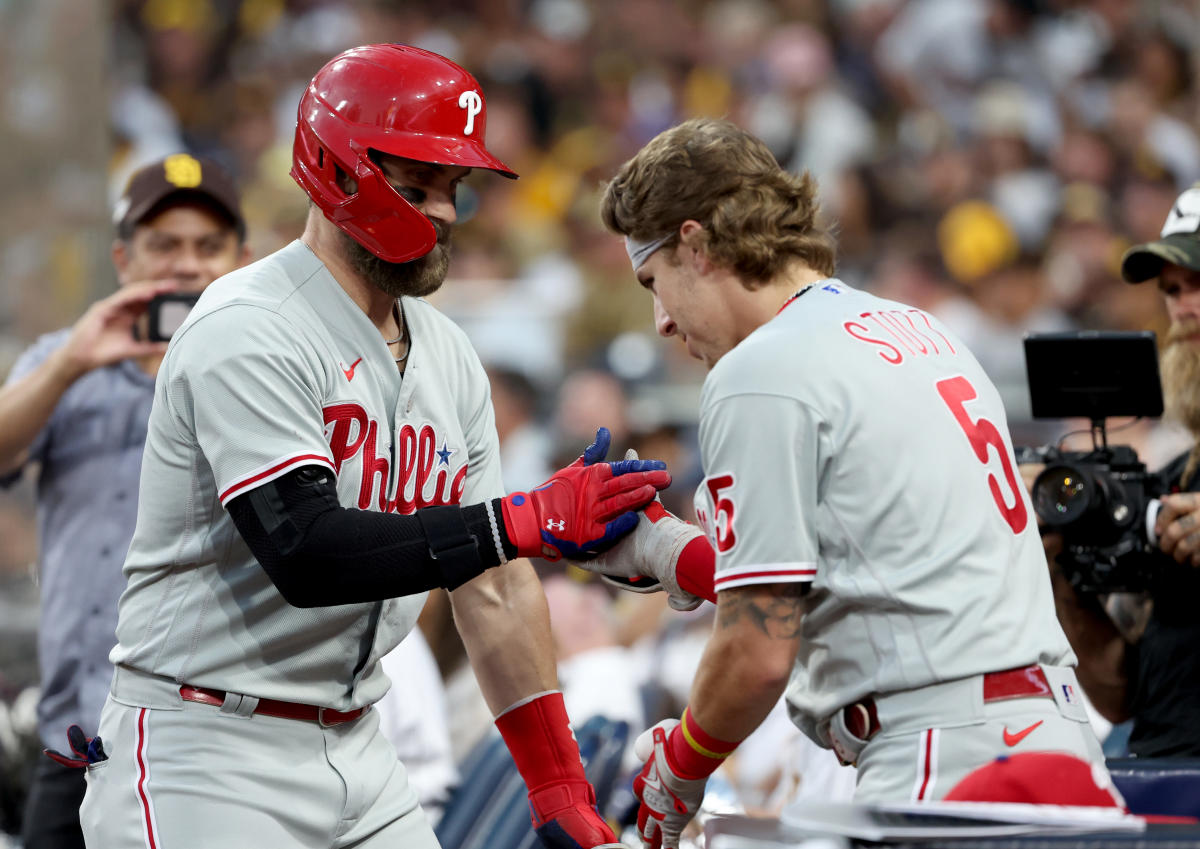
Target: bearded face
[416,278]
[1180,366]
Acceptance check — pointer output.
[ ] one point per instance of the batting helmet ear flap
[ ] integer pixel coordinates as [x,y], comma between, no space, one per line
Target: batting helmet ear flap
[375,215]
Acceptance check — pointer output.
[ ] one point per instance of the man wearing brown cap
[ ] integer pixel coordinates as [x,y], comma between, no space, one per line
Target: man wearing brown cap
[76,404]
[1155,679]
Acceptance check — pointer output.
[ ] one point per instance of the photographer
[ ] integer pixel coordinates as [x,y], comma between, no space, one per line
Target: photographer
[1154,677]
[77,404]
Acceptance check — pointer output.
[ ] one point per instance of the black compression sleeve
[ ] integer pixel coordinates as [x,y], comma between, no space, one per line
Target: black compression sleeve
[318,553]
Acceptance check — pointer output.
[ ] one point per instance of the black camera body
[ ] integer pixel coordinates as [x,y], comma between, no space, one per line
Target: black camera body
[1103,502]
[167,312]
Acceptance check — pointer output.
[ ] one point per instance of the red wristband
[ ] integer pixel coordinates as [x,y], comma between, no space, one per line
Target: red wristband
[694,570]
[693,752]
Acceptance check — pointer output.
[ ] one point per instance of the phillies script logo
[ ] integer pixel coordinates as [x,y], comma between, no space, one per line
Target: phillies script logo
[424,471]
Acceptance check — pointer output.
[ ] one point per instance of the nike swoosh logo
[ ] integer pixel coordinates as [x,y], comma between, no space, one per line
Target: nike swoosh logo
[1011,739]
[349,372]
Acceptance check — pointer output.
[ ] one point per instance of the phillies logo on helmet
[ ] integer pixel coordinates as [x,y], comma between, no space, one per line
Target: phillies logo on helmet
[472,101]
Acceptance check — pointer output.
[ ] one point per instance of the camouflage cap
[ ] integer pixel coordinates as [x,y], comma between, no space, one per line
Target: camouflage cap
[1179,245]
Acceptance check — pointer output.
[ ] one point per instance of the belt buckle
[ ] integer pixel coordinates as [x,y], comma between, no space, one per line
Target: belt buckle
[339,716]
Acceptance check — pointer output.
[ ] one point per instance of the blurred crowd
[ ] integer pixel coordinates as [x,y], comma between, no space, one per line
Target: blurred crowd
[985,160]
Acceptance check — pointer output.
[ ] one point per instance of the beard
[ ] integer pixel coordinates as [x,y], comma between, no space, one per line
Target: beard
[1180,368]
[416,278]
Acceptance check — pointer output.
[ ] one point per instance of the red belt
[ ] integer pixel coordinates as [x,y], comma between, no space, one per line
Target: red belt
[273,707]
[862,720]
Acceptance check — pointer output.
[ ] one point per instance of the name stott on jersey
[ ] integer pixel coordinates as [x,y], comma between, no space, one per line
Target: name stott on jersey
[855,443]
[277,368]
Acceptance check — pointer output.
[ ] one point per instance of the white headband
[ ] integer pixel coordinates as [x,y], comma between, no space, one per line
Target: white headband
[639,252]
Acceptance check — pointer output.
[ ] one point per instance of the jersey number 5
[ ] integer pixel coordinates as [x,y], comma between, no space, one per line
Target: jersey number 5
[956,392]
[725,535]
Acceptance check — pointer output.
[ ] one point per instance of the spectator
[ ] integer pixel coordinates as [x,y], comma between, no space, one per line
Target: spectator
[76,406]
[1142,664]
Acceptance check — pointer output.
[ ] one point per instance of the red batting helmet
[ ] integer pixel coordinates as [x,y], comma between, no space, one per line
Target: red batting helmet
[398,100]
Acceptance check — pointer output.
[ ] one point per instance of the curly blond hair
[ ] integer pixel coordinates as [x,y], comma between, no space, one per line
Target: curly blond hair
[757,217]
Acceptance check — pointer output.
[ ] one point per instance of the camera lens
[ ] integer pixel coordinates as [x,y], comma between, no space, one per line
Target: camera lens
[1061,495]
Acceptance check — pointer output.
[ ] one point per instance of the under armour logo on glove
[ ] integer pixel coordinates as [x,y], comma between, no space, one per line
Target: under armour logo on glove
[595,500]
[86,750]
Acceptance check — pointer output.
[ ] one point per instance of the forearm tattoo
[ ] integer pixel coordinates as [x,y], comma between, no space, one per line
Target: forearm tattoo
[776,609]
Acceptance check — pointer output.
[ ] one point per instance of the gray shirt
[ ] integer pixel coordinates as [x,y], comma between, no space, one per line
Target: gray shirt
[90,456]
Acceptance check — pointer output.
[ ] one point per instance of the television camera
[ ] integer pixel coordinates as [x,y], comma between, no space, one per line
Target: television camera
[1104,501]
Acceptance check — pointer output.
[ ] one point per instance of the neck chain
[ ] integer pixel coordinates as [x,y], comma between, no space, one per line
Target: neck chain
[399,314]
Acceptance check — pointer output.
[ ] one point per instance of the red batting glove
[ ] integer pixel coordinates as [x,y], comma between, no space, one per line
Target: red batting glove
[583,509]
[85,750]
[671,785]
[561,800]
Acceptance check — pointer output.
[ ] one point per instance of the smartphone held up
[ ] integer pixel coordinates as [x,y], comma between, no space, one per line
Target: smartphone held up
[166,313]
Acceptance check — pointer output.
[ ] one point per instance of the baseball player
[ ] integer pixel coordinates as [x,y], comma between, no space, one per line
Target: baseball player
[321,452]
[865,535]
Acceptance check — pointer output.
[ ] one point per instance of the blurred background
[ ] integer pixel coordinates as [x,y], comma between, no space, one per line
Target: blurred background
[986,160]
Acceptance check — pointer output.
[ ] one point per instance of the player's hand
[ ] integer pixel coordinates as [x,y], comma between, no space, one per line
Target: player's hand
[646,559]
[668,801]
[585,508]
[565,817]
[1177,526]
[103,335]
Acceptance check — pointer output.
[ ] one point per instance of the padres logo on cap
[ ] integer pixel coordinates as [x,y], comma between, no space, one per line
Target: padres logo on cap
[182,170]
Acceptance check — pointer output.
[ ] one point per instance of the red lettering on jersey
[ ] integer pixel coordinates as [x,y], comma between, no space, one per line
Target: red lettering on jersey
[982,434]
[426,450]
[908,317]
[895,319]
[351,433]
[345,420]
[896,357]
[887,330]
[406,456]
[899,326]
[373,467]
[925,318]
[885,326]
[417,458]
[722,505]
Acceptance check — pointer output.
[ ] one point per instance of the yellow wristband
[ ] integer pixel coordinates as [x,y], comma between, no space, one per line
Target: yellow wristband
[688,735]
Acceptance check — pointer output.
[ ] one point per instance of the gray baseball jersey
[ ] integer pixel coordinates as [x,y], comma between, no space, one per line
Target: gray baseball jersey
[277,368]
[855,443]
